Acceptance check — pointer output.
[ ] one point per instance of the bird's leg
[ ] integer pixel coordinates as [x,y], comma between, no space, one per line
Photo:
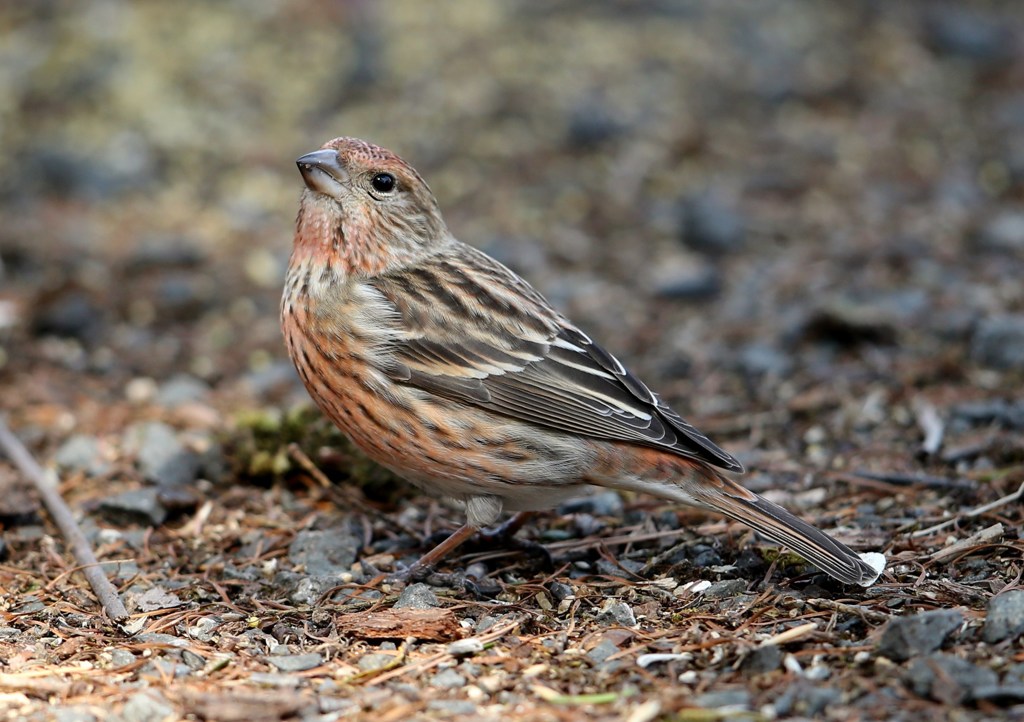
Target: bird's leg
[422,566]
[505,535]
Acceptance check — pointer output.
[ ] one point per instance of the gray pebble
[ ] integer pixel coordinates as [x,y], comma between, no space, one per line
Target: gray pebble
[946,678]
[907,637]
[739,698]
[147,706]
[295,662]
[465,647]
[999,342]
[181,389]
[82,453]
[602,651]
[713,226]
[618,613]
[417,596]
[137,506]
[161,456]
[1005,616]
[1004,232]
[374,660]
[725,589]
[448,679]
[452,706]
[606,503]
[762,660]
[73,714]
[324,552]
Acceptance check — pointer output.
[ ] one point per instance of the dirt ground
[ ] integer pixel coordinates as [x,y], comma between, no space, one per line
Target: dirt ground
[802,223]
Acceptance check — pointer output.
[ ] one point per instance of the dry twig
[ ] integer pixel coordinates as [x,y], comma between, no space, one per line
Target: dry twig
[65,521]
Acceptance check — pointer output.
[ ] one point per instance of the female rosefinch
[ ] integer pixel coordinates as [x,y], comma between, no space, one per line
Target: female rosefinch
[447,368]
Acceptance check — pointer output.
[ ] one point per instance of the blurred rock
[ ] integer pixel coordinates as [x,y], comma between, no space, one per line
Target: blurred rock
[760,360]
[762,660]
[161,457]
[448,679]
[147,706]
[712,225]
[726,588]
[82,453]
[907,637]
[417,596]
[72,314]
[970,33]
[295,662]
[138,506]
[324,552]
[1004,618]
[947,679]
[181,389]
[697,283]
[1008,414]
[158,253]
[605,503]
[1002,233]
[591,123]
[738,698]
[999,342]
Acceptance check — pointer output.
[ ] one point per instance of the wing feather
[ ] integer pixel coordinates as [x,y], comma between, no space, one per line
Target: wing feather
[477,333]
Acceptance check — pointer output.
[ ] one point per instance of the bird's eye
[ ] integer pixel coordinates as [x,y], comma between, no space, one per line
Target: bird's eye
[383,182]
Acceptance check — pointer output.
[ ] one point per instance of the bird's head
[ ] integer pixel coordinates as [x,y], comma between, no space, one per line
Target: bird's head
[365,209]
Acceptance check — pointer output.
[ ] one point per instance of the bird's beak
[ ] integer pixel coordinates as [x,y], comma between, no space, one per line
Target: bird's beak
[323,172]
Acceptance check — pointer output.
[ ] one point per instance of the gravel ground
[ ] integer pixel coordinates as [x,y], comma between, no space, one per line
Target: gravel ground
[802,223]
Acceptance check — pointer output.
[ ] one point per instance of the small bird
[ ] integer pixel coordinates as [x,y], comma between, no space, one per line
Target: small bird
[446,367]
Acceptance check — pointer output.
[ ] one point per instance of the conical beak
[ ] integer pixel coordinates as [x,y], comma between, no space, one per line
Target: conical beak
[323,172]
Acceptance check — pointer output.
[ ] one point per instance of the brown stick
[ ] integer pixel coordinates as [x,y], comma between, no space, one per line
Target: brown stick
[65,521]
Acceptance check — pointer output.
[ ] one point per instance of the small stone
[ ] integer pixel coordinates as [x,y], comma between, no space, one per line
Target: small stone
[148,706]
[969,33]
[907,637]
[138,506]
[417,596]
[605,649]
[324,552]
[453,707]
[73,714]
[763,360]
[161,456]
[812,701]
[735,698]
[374,660]
[607,503]
[181,389]
[726,588]
[696,283]
[448,679]
[70,315]
[1005,616]
[713,226]
[999,342]
[121,657]
[947,679]
[561,591]
[762,660]
[1003,233]
[156,598]
[618,613]
[465,647]
[82,453]
[295,662]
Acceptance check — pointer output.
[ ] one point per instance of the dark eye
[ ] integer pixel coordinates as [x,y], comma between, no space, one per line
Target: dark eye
[383,182]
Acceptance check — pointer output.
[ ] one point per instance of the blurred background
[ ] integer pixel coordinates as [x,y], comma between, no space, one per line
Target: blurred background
[808,211]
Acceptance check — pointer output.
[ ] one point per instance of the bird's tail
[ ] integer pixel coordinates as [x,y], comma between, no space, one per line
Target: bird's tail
[697,484]
[836,559]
